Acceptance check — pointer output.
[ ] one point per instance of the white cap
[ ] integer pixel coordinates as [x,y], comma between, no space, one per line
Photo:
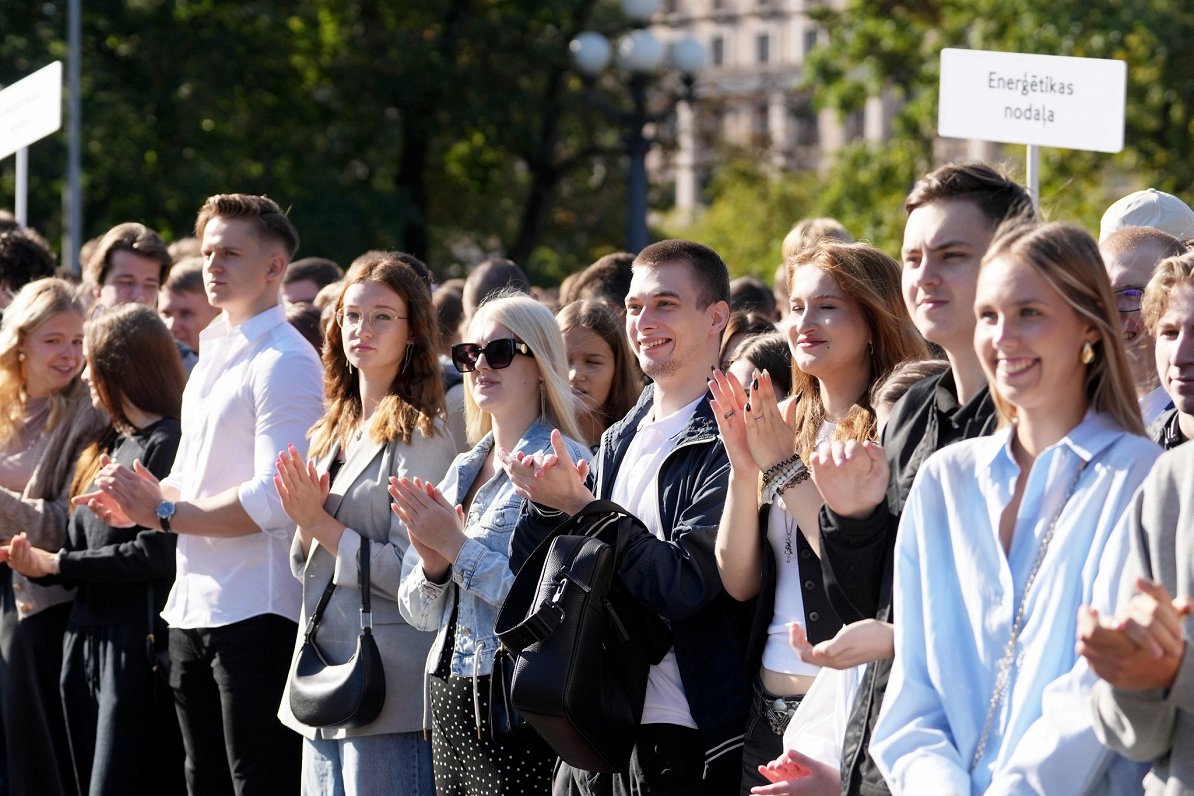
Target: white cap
[1149,208]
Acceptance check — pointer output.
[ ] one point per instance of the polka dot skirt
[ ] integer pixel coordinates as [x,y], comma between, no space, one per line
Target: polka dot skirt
[465,765]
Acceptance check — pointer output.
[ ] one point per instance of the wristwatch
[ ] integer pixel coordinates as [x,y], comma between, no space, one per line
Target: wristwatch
[164,512]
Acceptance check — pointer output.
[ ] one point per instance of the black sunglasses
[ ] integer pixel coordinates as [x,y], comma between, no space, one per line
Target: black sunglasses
[498,353]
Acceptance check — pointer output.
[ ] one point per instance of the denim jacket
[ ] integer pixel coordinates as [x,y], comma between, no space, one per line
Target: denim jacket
[481,576]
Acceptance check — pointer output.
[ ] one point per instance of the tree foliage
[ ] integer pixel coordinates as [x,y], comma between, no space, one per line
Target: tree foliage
[450,128]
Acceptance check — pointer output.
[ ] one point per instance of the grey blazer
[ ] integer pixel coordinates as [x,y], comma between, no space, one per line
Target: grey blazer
[358,498]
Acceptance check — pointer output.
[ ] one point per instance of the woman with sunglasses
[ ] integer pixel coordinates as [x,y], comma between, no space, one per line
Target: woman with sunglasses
[384,418]
[457,571]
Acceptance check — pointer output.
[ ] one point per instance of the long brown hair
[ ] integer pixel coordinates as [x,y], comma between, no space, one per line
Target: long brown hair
[1068,258]
[36,303]
[416,395]
[872,279]
[596,316]
[131,358]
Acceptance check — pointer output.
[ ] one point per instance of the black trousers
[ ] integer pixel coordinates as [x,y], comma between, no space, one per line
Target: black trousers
[37,752]
[120,715]
[227,684]
[668,760]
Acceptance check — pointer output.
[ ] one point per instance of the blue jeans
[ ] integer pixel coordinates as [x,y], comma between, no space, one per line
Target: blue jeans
[393,763]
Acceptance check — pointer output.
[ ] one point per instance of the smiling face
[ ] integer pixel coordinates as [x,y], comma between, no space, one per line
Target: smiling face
[1029,339]
[53,354]
[675,339]
[590,366]
[944,241]
[827,332]
[375,342]
[1175,347]
[508,393]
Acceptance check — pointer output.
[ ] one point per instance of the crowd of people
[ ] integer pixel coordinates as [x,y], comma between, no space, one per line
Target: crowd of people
[907,526]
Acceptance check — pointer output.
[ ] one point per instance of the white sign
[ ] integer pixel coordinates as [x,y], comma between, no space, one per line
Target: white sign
[1046,100]
[31,109]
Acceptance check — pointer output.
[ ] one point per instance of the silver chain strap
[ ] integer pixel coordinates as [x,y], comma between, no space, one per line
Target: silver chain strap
[1004,671]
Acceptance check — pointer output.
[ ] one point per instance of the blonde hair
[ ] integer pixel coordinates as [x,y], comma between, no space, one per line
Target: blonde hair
[1068,259]
[1171,272]
[533,324]
[872,279]
[34,305]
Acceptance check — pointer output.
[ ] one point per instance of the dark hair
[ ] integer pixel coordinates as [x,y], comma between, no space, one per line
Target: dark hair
[24,257]
[307,319]
[270,222]
[902,376]
[768,352]
[597,316]
[186,277]
[751,324]
[321,271]
[995,194]
[607,279]
[490,277]
[133,357]
[416,395]
[128,237]
[8,221]
[709,270]
[1068,258]
[449,310]
[750,294]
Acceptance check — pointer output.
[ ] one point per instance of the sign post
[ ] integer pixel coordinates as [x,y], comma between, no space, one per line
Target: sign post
[30,109]
[1038,100]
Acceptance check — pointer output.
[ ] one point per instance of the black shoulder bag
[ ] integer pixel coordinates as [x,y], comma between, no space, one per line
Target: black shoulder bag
[350,694]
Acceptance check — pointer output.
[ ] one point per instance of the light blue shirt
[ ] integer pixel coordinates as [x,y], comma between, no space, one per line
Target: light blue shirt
[956,596]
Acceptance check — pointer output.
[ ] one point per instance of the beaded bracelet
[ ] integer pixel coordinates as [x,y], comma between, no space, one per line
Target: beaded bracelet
[774,470]
[794,474]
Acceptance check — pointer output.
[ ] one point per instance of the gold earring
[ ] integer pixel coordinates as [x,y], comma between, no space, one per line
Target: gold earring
[20,356]
[1088,353]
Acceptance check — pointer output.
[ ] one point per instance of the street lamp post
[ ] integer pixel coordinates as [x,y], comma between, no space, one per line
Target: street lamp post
[640,56]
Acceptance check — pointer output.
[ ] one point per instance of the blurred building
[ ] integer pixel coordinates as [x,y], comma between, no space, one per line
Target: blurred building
[748,93]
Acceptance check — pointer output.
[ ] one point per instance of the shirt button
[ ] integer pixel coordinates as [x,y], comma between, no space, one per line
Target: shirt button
[813,616]
[808,584]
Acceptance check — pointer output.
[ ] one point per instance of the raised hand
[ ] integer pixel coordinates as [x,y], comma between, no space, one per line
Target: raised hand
[135,492]
[302,489]
[851,476]
[729,405]
[435,527]
[768,433]
[549,479]
[858,642]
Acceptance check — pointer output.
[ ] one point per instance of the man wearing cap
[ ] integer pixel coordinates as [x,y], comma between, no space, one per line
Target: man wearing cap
[1149,208]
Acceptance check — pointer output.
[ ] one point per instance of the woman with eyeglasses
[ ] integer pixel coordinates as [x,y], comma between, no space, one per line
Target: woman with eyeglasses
[384,418]
[457,571]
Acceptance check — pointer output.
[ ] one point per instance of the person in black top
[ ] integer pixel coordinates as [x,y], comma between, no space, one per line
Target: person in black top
[120,717]
[1168,314]
[953,213]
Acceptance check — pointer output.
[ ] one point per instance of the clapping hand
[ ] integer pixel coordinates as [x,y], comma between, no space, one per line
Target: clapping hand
[302,489]
[435,527]
[104,505]
[851,476]
[30,561]
[1142,647]
[793,773]
[549,479]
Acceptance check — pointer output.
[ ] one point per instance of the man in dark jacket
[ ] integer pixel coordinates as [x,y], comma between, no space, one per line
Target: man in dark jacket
[953,213]
[665,464]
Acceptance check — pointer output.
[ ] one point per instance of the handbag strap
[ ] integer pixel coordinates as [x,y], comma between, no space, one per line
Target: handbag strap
[366,609]
[1003,673]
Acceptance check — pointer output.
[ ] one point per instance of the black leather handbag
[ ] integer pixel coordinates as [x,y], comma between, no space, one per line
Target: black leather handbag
[583,647]
[349,694]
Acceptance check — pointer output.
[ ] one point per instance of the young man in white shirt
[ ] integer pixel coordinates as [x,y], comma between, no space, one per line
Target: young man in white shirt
[232,610]
[665,463]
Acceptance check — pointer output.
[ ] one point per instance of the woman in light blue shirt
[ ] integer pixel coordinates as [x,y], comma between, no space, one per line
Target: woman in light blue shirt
[1004,537]
[457,570]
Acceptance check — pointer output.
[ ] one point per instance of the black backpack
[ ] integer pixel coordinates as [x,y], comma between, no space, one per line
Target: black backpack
[582,647]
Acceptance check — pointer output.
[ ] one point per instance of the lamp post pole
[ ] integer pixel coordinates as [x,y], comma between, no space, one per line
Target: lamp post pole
[640,57]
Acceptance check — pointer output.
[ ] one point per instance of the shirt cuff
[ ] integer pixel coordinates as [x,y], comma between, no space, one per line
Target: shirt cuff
[467,561]
[263,508]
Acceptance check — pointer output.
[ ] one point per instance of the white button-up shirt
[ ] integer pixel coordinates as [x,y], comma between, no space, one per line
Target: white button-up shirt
[257,388]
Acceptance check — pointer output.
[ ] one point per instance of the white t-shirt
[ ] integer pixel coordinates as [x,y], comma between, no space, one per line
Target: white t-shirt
[636,489]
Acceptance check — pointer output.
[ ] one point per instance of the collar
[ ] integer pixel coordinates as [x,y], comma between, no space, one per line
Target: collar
[251,330]
[1086,440]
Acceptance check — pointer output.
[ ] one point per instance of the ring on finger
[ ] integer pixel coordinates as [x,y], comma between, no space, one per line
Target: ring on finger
[730,414]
